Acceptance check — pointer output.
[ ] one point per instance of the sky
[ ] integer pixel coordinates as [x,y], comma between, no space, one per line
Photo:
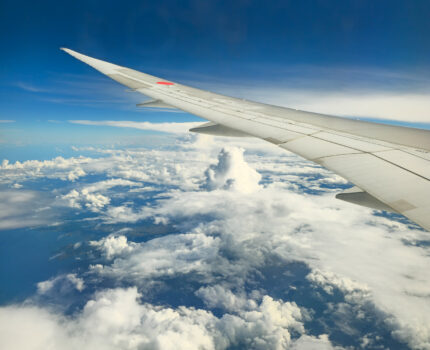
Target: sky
[119,229]
[352,58]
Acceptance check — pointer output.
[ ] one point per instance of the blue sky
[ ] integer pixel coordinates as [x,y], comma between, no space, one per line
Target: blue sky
[226,46]
[227,242]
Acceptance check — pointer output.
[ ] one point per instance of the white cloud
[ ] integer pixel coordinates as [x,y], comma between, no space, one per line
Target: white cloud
[328,281]
[88,197]
[403,106]
[310,343]
[122,213]
[115,319]
[7,121]
[17,209]
[166,256]
[93,202]
[221,297]
[29,87]
[344,91]
[75,174]
[155,166]
[400,106]
[114,245]
[318,230]
[227,234]
[175,128]
[268,326]
[59,167]
[232,172]
[107,184]
[68,281]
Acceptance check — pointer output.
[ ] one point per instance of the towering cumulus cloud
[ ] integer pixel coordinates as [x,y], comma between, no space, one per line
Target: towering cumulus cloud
[232,172]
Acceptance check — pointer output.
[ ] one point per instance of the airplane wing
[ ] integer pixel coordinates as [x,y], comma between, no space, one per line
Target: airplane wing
[389,165]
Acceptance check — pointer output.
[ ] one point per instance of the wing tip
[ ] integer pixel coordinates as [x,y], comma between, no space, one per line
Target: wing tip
[65,49]
[102,66]
[79,56]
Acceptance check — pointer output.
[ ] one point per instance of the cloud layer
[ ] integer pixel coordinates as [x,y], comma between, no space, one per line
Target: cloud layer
[262,250]
[115,319]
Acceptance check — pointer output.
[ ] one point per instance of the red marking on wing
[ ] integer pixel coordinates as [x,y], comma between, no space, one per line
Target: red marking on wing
[164,83]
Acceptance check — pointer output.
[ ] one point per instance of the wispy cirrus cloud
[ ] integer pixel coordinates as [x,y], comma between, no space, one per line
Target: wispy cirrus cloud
[17,209]
[30,87]
[394,106]
[366,92]
[175,128]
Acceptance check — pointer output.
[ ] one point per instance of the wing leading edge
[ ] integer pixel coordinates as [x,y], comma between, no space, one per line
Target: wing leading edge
[390,165]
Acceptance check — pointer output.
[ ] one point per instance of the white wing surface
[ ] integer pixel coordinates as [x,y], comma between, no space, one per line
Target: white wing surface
[390,165]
